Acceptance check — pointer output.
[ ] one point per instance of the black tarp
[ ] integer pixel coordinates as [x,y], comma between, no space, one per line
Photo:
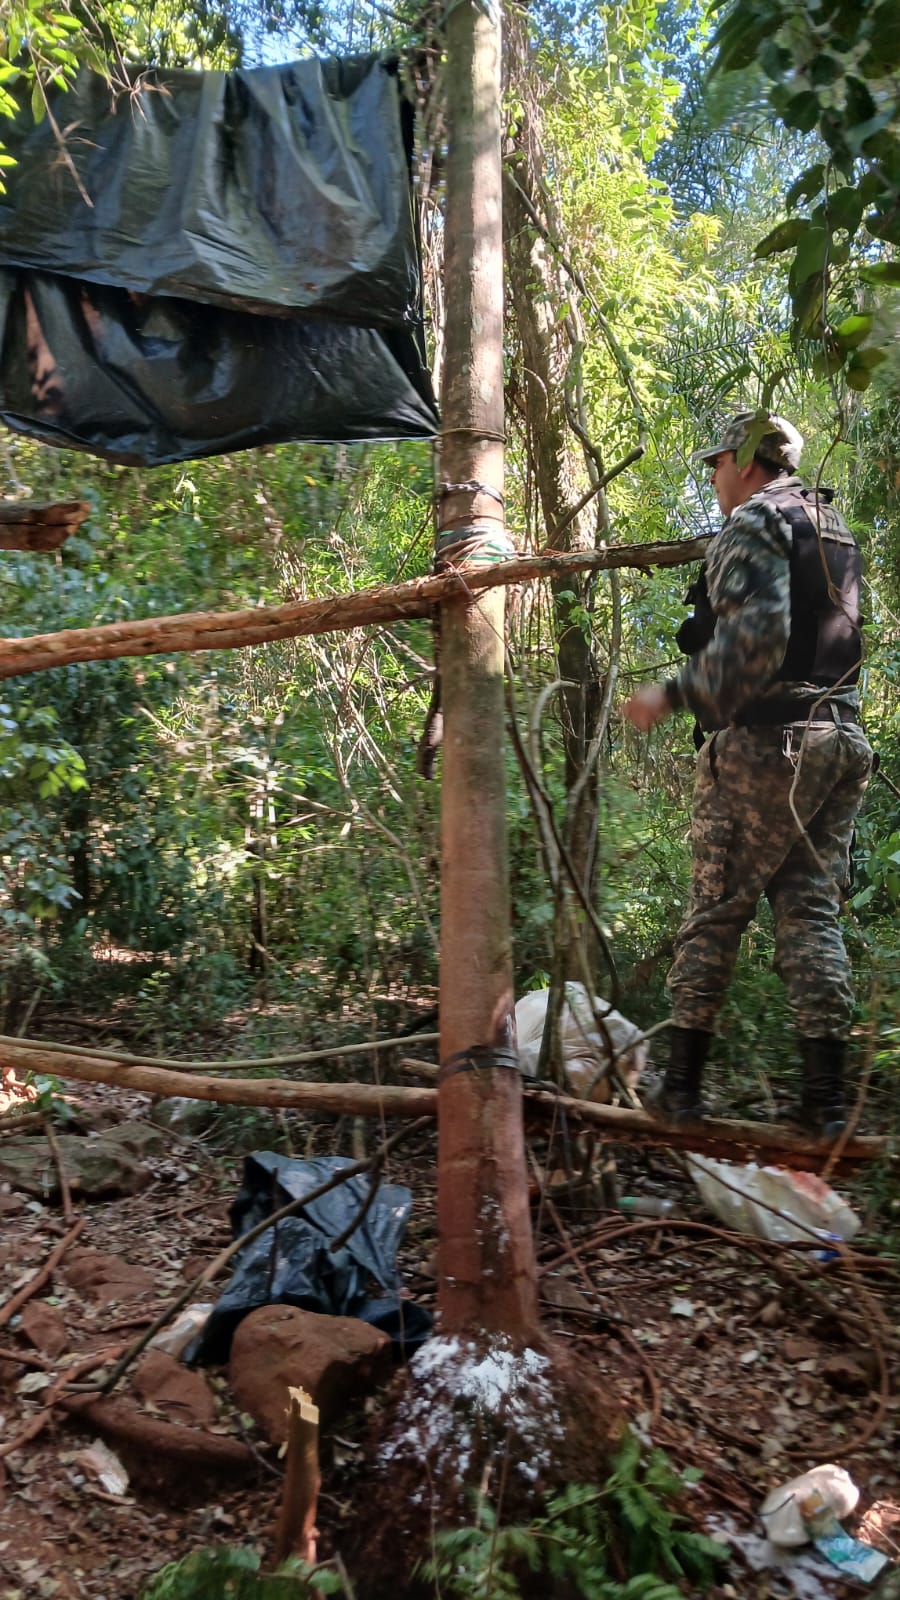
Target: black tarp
[214,261]
[294,1263]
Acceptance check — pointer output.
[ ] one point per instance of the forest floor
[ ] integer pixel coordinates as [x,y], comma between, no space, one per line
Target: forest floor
[747,1361]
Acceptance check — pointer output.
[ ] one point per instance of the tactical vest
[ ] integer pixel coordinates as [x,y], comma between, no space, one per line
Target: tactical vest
[825,642]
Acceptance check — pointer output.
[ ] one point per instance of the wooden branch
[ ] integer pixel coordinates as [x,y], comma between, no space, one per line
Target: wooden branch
[42,1276]
[15,1122]
[731,1141]
[225,630]
[64,1186]
[119,1418]
[344,1099]
[297,1533]
[52,1397]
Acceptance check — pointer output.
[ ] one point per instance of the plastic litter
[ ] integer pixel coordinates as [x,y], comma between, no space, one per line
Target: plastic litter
[740,1196]
[647,1205]
[853,1558]
[246,271]
[99,1462]
[175,1339]
[585,1048]
[293,1264]
[782,1513]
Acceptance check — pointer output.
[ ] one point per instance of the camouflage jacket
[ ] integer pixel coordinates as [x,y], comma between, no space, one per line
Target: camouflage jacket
[748,581]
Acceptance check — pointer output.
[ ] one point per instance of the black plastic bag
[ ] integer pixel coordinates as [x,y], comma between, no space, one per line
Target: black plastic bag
[292,1263]
[229,260]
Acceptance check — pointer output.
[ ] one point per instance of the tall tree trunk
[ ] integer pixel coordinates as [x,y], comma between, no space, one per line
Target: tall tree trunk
[538,290]
[486,1250]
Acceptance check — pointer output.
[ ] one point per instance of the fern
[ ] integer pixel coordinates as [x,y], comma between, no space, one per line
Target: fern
[227,1574]
[570,1544]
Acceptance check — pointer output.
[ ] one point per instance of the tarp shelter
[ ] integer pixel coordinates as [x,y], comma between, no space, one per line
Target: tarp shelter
[214,260]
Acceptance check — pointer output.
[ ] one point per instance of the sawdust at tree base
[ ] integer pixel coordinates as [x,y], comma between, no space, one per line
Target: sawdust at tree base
[474,1416]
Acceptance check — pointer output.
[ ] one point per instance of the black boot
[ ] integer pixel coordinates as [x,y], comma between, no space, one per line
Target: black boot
[678,1097]
[823,1108]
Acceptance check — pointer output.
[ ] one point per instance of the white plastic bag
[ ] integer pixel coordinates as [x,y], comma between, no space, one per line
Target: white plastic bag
[585,1048]
[177,1336]
[781,1513]
[801,1202]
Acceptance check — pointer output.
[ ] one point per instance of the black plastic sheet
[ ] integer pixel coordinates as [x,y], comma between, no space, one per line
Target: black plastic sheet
[216,261]
[293,1263]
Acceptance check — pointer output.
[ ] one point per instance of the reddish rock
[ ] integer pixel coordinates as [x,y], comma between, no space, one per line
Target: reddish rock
[185,1396]
[332,1358]
[43,1326]
[106,1278]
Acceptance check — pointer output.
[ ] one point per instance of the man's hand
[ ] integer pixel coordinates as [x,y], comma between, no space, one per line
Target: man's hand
[647,706]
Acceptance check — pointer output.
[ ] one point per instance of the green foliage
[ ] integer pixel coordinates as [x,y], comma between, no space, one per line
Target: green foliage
[831,71]
[881,875]
[584,1533]
[37,767]
[226,1574]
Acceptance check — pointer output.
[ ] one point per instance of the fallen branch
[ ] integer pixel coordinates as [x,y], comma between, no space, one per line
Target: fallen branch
[54,1393]
[293,1058]
[42,1276]
[734,1141]
[225,630]
[119,1418]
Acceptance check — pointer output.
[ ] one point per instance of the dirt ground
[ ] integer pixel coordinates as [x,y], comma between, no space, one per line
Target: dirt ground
[745,1360]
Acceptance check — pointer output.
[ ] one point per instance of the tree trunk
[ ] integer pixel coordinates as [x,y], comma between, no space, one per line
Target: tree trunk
[486,1249]
[538,290]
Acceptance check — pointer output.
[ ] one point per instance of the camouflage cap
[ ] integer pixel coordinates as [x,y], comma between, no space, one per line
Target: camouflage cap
[773,439]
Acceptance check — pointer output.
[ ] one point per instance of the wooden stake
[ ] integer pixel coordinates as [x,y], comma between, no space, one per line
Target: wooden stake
[297,1532]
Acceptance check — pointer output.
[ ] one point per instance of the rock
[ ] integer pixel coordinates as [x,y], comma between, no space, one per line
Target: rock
[162,1382]
[43,1326]
[562,1293]
[332,1358]
[93,1166]
[140,1139]
[106,1278]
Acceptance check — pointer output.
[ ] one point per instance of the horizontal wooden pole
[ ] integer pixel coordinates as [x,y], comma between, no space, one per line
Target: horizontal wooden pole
[727,1140]
[731,1141]
[226,630]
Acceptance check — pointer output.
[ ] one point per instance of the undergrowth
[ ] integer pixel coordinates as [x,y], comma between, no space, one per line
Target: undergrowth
[624,1541]
[227,1574]
[609,1543]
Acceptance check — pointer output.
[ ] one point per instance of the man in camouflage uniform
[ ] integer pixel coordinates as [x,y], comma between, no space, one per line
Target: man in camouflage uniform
[773,681]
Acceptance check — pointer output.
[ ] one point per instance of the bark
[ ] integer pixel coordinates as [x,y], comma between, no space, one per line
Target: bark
[487,1270]
[537,291]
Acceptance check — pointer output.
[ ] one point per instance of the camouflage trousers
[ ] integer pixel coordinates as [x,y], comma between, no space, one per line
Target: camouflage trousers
[746,842]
